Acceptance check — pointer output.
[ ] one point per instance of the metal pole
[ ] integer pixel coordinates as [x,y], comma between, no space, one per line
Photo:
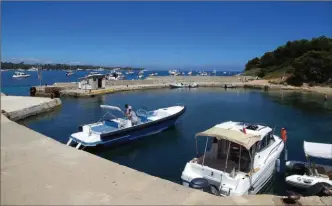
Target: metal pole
[251,170]
[196,146]
[229,145]
[240,158]
[207,140]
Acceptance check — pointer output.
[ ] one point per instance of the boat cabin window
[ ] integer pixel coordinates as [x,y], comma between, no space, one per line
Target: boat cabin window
[265,142]
[225,156]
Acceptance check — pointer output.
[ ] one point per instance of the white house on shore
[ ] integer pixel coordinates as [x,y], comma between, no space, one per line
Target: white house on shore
[93,81]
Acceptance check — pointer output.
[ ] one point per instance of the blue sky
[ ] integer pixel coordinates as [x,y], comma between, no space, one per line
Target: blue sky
[156,34]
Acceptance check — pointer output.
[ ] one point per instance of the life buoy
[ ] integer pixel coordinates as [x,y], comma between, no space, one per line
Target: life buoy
[284,134]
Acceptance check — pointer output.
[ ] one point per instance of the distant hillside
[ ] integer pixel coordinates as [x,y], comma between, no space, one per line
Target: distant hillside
[301,61]
[25,66]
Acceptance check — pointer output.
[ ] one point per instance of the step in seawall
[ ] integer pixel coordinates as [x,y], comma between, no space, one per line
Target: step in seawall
[20,107]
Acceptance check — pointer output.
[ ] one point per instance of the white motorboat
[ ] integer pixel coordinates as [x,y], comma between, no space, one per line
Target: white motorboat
[120,129]
[20,75]
[69,73]
[130,72]
[240,161]
[193,85]
[307,174]
[153,74]
[203,74]
[33,69]
[183,85]
[173,72]
[190,73]
[114,76]
[178,85]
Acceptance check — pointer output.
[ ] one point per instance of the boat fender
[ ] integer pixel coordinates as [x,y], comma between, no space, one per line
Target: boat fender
[278,165]
[284,134]
[200,184]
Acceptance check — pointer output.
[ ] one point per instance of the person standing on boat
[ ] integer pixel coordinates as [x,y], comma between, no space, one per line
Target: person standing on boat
[127,107]
[131,115]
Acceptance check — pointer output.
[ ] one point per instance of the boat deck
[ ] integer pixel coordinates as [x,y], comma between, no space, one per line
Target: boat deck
[103,128]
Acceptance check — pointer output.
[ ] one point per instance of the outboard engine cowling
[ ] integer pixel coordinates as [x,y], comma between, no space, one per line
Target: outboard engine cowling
[200,184]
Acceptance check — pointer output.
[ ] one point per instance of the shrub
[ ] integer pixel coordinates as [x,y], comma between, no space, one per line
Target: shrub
[294,81]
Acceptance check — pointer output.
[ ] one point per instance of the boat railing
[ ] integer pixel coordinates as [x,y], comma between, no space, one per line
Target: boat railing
[142,113]
[275,147]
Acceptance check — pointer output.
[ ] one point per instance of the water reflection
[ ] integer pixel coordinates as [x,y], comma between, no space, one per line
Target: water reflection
[307,102]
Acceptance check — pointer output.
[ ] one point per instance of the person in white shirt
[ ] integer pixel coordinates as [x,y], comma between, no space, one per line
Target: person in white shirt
[131,115]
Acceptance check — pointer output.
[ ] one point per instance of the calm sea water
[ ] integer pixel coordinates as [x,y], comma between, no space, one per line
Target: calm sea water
[305,116]
[11,86]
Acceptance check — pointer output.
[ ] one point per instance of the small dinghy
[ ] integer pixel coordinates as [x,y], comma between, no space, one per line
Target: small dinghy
[305,175]
[178,85]
[120,129]
[183,85]
[193,85]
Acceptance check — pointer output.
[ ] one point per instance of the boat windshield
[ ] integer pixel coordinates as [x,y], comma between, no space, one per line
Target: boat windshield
[225,156]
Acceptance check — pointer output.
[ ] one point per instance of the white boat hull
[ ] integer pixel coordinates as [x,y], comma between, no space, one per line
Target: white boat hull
[305,181]
[21,76]
[231,181]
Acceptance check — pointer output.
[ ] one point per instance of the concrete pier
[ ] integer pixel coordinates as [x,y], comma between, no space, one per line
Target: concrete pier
[157,82]
[71,89]
[38,170]
[20,107]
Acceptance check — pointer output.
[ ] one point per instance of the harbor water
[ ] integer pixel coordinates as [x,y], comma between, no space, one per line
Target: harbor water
[305,116]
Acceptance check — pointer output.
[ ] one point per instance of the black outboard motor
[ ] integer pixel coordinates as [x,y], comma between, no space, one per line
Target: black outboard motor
[33,91]
[200,184]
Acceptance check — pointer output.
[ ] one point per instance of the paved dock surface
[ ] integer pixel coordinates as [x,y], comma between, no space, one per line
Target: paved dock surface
[38,170]
[20,107]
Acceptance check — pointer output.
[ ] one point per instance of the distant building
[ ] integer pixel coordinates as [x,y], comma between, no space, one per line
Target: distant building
[94,81]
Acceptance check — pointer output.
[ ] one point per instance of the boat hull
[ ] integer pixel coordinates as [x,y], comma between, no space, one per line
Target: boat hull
[21,77]
[136,134]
